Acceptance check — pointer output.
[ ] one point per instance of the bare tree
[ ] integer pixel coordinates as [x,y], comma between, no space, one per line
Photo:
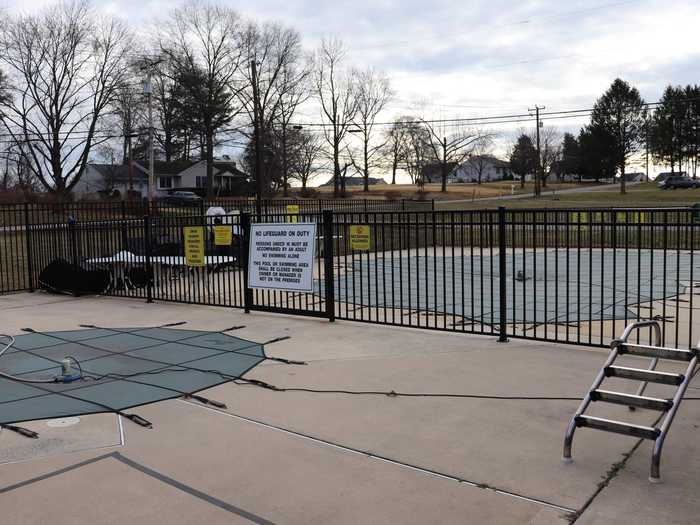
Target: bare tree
[450,148]
[336,91]
[129,109]
[16,174]
[418,152]
[66,66]
[305,157]
[480,157]
[281,83]
[201,42]
[373,94]
[396,145]
[550,149]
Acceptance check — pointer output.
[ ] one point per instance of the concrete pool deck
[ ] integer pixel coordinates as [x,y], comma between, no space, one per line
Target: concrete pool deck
[310,458]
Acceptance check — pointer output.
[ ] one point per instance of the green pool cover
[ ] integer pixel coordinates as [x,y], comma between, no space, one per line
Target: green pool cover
[122,368]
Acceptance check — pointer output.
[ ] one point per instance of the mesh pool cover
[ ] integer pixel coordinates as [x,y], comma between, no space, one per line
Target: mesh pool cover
[557,286]
[122,368]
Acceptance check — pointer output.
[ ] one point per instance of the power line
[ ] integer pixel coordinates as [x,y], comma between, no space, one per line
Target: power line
[503,119]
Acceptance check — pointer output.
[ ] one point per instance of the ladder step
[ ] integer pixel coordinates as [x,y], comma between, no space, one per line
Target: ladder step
[639,374]
[618,427]
[631,400]
[656,351]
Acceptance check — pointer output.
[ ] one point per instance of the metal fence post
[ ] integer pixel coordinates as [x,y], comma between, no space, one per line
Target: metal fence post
[247,292]
[124,232]
[502,283]
[73,242]
[28,251]
[328,263]
[149,268]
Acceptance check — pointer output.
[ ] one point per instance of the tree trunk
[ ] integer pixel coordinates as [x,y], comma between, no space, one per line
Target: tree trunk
[622,179]
[336,170]
[210,164]
[285,192]
[366,170]
[125,149]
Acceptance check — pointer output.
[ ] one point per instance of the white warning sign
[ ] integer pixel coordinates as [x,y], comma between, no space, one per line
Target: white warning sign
[281,256]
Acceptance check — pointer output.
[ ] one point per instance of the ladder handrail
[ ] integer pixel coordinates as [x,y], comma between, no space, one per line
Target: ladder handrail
[616,349]
[638,325]
[569,436]
[657,339]
[654,476]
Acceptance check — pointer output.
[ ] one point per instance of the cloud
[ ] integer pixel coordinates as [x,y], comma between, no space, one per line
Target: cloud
[488,57]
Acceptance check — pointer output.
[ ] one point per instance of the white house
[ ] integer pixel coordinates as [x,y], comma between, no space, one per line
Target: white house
[489,167]
[115,179]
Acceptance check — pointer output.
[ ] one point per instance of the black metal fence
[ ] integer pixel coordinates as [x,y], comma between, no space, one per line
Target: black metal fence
[573,276]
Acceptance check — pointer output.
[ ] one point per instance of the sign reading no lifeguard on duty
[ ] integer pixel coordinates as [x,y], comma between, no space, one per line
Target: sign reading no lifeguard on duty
[281,256]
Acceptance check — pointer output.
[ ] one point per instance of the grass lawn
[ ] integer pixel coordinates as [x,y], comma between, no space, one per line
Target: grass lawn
[432,191]
[640,195]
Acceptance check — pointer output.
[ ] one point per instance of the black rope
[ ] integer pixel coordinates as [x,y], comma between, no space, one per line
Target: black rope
[233,328]
[393,393]
[21,430]
[277,340]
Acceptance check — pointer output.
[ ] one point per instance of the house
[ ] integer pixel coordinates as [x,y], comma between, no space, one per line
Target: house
[357,181]
[227,176]
[432,172]
[489,167]
[112,180]
[633,177]
[115,179]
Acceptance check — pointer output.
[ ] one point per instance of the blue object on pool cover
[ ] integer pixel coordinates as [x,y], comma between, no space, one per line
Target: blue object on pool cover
[122,368]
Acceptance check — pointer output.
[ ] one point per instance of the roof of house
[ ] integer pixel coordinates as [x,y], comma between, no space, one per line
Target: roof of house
[120,172]
[434,169]
[229,166]
[174,167]
[490,158]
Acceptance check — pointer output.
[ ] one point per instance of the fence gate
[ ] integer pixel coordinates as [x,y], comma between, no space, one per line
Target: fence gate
[273,255]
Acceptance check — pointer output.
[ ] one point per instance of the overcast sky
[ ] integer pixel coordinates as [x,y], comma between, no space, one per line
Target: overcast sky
[487,57]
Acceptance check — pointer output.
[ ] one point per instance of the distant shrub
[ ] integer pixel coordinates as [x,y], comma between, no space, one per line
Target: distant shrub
[392,195]
[309,193]
[422,195]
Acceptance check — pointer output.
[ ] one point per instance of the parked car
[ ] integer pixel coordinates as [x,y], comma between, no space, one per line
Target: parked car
[183,198]
[678,182]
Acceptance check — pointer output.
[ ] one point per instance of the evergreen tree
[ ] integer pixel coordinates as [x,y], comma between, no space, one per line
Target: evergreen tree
[620,115]
[523,158]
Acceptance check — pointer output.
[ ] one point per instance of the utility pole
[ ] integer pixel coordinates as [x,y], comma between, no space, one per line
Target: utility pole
[256,129]
[148,65]
[284,158]
[131,169]
[646,148]
[148,90]
[538,168]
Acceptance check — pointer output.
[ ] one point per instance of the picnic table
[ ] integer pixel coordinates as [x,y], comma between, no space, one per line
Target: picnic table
[129,269]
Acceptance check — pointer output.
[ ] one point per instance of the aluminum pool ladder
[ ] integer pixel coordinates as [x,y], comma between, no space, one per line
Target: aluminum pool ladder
[668,407]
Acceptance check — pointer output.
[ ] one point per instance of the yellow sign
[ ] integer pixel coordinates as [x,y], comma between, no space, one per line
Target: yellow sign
[223,235]
[359,237]
[194,245]
[292,213]
[579,220]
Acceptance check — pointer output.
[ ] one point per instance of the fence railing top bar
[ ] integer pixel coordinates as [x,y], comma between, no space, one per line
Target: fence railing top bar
[603,209]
